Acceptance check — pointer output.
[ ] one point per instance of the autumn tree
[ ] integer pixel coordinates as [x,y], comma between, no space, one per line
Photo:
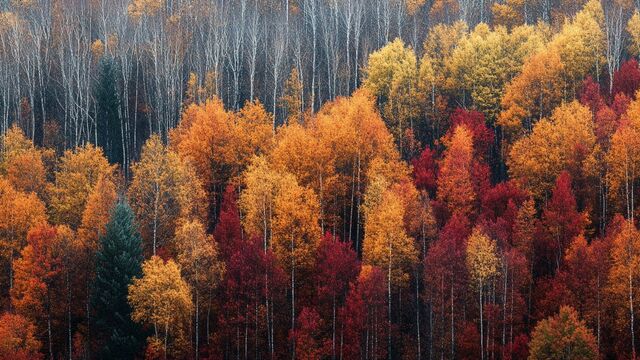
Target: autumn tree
[564,141]
[19,213]
[117,263]
[41,283]
[23,163]
[307,336]
[163,190]
[454,181]
[198,257]
[391,76]
[336,267]
[220,144]
[624,274]
[77,174]
[18,338]
[562,336]
[292,100]
[482,262]
[162,298]
[363,316]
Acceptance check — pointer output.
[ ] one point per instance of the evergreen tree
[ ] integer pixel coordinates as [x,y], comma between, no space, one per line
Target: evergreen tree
[107,116]
[117,262]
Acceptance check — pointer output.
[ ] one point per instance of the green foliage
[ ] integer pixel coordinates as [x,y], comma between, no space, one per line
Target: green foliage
[118,261]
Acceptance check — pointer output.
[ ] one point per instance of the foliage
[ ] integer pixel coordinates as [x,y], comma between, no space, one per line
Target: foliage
[563,336]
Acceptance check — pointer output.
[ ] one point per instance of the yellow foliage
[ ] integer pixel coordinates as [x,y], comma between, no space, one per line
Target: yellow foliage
[386,243]
[77,174]
[163,190]
[482,257]
[633,28]
[537,160]
[161,297]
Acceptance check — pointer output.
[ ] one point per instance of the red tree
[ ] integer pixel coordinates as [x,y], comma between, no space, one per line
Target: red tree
[627,79]
[561,220]
[364,316]
[425,171]
[337,266]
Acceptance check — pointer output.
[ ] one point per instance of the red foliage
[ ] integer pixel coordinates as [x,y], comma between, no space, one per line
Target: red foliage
[561,220]
[17,338]
[425,171]
[475,122]
[446,279]
[627,79]
[228,230]
[590,95]
[606,123]
[364,316]
[309,343]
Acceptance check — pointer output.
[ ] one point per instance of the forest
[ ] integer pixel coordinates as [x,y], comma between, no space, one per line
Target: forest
[319,179]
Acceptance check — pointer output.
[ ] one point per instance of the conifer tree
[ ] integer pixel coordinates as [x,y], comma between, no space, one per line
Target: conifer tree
[107,116]
[118,261]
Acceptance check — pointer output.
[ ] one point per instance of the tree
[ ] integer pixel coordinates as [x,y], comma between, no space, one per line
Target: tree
[482,262]
[309,342]
[220,144]
[561,219]
[118,261]
[454,181]
[41,284]
[624,274]
[162,298]
[198,257]
[563,336]
[19,213]
[22,162]
[18,338]
[163,190]
[77,174]
[531,95]
[109,128]
[363,316]
[295,233]
[633,28]
[292,100]
[391,76]
[566,139]
[336,267]
[627,79]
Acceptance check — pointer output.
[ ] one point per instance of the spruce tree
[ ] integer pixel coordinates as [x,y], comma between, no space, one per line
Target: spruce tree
[117,262]
[107,116]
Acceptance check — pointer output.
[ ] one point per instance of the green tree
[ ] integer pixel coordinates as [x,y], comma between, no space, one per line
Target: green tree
[107,116]
[118,261]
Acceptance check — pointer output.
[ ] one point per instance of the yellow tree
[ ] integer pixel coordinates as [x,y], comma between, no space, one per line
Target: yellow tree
[537,159]
[455,188]
[22,162]
[292,100]
[295,232]
[162,298]
[482,263]
[220,144]
[164,189]
[198,257]
[633,28]
[531,95]
[624,274]
[386,243]
[77,174]
[391,75]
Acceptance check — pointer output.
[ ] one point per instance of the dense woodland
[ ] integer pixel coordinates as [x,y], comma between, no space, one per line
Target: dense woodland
[319,179]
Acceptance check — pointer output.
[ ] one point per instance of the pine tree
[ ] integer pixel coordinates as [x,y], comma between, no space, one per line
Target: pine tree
[107,117]
[118,261]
